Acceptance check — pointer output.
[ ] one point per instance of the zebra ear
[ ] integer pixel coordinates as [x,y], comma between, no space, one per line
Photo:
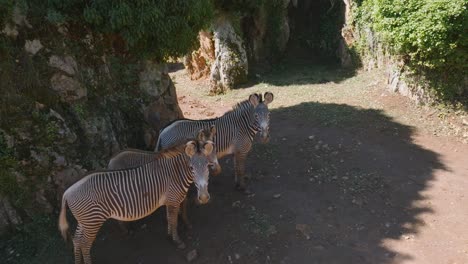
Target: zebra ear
[268,98]
[190,148]
[201,135]
[208,148]
[254,100]
[212,132]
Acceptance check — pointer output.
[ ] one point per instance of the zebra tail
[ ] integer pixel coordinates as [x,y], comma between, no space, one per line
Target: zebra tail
[63,223]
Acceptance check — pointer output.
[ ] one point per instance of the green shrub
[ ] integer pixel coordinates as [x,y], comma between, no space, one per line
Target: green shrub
[238,6]
[430,36]
[152,29]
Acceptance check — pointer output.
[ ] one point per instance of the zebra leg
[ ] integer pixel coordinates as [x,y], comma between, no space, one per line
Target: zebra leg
[77,241]
[184,213]
[86,249]
[88,235]
[239,170]
[172,215]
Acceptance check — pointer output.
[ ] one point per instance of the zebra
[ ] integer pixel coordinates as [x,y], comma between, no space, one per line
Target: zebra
[132,157]
[236,130]
[129,158]
[133,193]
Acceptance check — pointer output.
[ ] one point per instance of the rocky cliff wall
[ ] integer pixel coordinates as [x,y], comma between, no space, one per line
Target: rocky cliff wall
[68,104]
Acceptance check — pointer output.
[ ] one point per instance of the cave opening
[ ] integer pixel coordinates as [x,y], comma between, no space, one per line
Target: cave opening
[315,29]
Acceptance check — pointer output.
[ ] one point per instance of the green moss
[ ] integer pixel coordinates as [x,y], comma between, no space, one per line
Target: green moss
[80,110]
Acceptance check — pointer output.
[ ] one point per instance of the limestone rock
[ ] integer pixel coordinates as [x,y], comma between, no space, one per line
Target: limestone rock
[283,34]
[56,147]
[33,46]
[344,54]
[198,62]
[43,205]
[151,81]
[230,67]
[19,18]
[68,88]
[161,111]
[99,131]
[156,83]
[67,177]
[40,157]
[10,30]
[9,140]
[261,44]
[8,215]
[66,64]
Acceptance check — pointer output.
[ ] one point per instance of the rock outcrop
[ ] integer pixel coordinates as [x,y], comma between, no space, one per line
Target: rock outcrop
[198,63]
[230,67]
[224,55]
[267,31]
[66,108]
[374,54]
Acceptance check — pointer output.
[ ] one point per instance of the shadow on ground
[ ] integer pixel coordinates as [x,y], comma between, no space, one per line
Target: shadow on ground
[333,184]
[301,71]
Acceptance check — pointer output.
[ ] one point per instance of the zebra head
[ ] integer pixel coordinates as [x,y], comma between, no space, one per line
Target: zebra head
[199,152]
[262,114]
[208,135]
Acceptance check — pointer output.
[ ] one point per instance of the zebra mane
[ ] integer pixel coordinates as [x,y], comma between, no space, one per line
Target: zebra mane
[176,150]
[241,106]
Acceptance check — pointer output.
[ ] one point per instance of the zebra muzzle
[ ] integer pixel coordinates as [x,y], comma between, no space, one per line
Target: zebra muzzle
[264,137]
[203,198]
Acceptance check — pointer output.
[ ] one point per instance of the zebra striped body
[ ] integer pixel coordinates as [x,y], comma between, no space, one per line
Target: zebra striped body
[129,158]
[235,131]
[233,128]
[131,194]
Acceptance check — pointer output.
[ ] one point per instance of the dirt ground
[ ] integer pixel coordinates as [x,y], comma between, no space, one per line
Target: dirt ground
[352,174]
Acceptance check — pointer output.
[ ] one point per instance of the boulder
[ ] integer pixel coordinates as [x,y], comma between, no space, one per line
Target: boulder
[8,215]
[199,61]
[230,67]
[33,46]
[152,82]
[66,64]
[263,42]
[67,87]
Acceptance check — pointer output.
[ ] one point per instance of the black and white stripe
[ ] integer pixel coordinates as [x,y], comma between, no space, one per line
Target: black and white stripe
[235,133]
[233,128]
[127,195]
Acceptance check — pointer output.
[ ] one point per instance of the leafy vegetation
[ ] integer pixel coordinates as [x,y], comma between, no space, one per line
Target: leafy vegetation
[150,29]
[429,36]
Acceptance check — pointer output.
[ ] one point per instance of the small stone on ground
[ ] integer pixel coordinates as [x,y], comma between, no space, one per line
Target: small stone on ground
[193,254]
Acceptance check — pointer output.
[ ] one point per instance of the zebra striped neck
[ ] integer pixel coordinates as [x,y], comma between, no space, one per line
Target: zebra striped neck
[245,111]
